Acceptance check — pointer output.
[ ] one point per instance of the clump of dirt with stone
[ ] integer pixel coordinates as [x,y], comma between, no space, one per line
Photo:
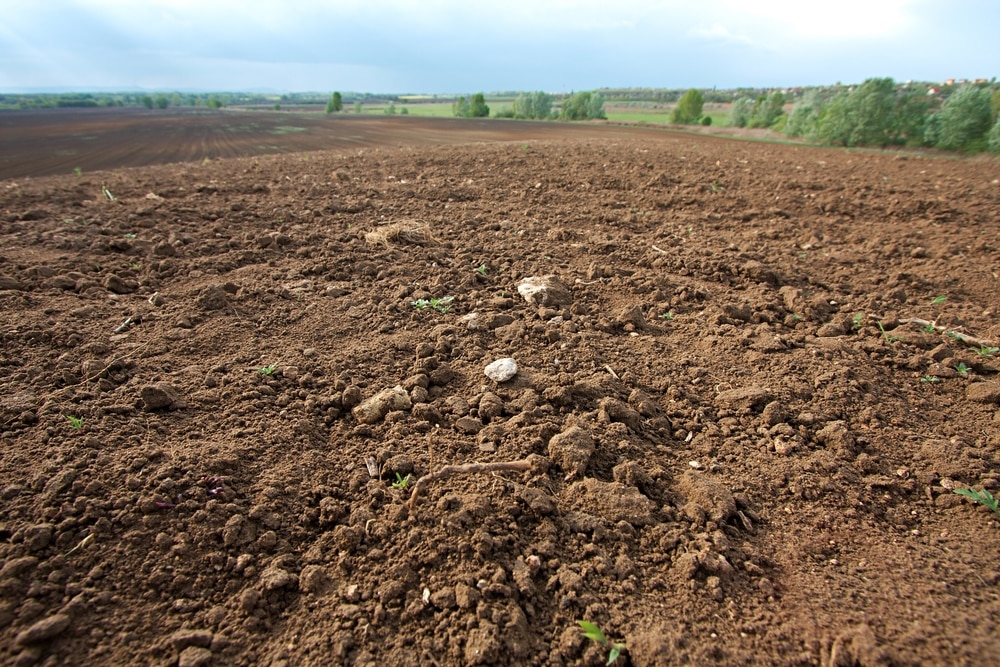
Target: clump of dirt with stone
[246,419]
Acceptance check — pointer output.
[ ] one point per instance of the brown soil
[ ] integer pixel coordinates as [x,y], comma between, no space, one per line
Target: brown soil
[725,460]
[60,141]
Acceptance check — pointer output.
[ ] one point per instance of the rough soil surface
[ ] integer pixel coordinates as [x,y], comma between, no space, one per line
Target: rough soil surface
[717,454]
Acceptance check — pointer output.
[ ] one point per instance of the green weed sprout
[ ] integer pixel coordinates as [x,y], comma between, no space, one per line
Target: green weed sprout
[962,369]
[857,321]
[268,370]
[938,300]
[986,350]
[481,269]
[401,482]
[885,334]
[75,422]
[78,171]
[668,315]
[592,632]
[930,379]
[983,497]
[441,305]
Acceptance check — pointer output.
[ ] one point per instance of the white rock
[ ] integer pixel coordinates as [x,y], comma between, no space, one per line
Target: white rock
[544,291]
[501,370]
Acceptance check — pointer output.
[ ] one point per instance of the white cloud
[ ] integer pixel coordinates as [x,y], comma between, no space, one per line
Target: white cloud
[720,33]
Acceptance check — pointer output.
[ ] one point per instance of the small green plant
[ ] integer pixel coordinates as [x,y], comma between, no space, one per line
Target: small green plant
[78,171]
[885,334]
[594,633]
[797,317]
[983,497]
[442,305]
[929,328]
[930,379]
[962,369]
[268,370]
[401,482]
[668,315]
[986,351]
[938,300]
[75,422]
[857,321]
[135,265]
[107,193]
[481,269]
[130,235]
[716,187]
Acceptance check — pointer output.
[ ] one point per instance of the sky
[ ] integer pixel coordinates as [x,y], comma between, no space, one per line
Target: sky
[459,46]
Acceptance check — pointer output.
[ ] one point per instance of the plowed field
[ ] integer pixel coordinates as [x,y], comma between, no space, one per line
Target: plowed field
[232,400]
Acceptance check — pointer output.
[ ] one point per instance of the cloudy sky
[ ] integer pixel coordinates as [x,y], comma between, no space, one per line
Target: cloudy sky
[470,45]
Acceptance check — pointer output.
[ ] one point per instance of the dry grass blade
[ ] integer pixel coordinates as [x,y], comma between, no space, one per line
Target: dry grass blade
[408,232]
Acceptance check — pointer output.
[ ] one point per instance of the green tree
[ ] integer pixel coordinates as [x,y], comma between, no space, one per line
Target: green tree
[357,106]
[162,102]
[478,107]
[391,109]
[688,109]
[865,116]
[805,115]
[533,105]
[739,112]
[147,101]
[583,106]
[336,103]
[767,109]
[962,124]
[461,108]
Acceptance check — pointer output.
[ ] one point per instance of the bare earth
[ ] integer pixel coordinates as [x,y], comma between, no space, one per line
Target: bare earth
[723,458]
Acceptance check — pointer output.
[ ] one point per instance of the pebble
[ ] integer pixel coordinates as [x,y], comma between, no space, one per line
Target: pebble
[501,370]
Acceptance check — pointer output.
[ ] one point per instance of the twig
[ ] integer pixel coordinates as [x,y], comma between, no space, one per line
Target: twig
[659,250]
[612,371]
[965,338]
[469,468]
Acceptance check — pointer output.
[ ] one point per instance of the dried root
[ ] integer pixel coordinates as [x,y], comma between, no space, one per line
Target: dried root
[501,466]
[408,231]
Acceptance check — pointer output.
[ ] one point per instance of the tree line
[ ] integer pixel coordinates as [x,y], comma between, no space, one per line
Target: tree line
[880,113]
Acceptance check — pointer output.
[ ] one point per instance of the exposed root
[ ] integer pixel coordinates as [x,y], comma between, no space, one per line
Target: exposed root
[501,466]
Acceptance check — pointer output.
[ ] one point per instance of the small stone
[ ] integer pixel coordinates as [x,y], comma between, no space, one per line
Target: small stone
[189,637]
[468,425]
[116,284]
[544,291]
[160,396]
[374,409]
[43,630]
[501,370]
[194,656]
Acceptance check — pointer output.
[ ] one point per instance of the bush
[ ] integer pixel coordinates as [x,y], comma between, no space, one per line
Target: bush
[962,124]
[688,109]
[583,106]
[706,120]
